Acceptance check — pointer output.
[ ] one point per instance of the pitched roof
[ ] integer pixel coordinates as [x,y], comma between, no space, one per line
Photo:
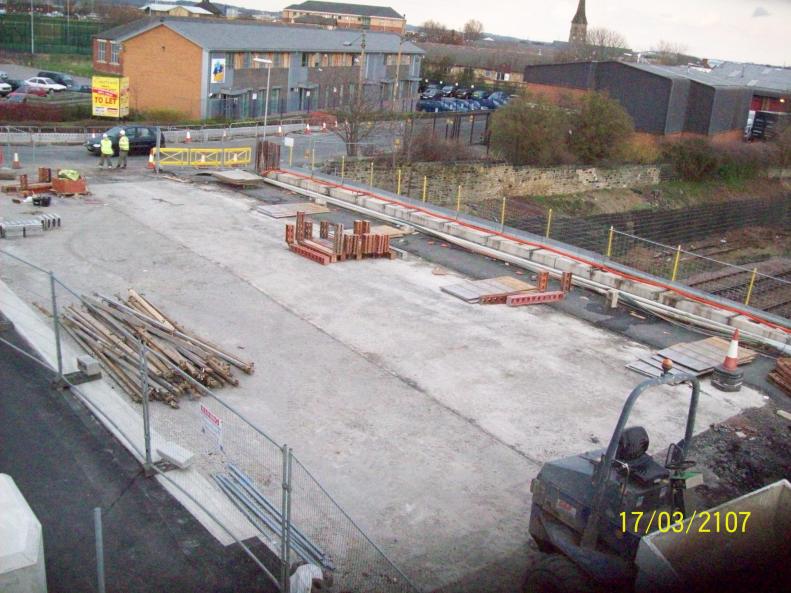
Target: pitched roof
[343,8]
[580,18]
[730,74]
[224,35]
[156,7]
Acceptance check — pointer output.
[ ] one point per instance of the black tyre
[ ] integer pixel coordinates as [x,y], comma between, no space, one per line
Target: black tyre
[555,573]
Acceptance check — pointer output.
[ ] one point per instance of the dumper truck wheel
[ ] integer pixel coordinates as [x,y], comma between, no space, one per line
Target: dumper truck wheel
[555,573]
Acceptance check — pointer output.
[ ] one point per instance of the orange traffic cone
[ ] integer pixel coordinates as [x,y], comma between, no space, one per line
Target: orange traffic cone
[727,376]
[151,159]
[732,358]
[279,130]
[307,129]
[324,126]
[189,137]
[16,164]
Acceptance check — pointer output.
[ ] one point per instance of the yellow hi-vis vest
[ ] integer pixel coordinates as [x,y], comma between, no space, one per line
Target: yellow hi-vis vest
[107,146]
[123,143]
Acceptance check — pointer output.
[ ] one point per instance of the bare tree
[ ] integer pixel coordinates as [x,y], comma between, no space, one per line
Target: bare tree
[473,30]
[601,44]
[433,31]
[670,54]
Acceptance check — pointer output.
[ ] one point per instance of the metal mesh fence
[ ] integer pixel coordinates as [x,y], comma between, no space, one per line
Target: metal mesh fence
[51,35]
[237,480]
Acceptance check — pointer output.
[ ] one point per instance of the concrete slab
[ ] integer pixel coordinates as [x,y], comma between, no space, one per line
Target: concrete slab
[606,278]
[705,311]
[411,409]
[643,290]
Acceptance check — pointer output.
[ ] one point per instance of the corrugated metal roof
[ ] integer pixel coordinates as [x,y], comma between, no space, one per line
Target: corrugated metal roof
[343,8]
[167,7]
[221,34]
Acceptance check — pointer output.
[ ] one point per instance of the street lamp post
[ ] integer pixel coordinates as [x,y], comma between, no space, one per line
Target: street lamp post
[362,66]
[266,98]
[32,33]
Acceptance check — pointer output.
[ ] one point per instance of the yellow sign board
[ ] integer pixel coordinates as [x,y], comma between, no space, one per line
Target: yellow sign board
[110,96]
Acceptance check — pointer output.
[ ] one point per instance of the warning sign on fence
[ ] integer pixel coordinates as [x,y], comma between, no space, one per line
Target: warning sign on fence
[211,426]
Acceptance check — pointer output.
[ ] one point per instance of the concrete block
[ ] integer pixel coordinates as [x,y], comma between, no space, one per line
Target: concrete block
[21,543]
[669,298]
[88,365]
[374,204]
[342,194]
[705,311]
[544,257]
[426,220]
[175,454]
[564,264]
[744,323]
[515,248]
[469,234]
[606,278]
[397,211]
[643,290]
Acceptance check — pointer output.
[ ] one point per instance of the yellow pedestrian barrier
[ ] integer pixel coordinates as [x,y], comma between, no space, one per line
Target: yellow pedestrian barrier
[206,157]
[237,156]
[173,157]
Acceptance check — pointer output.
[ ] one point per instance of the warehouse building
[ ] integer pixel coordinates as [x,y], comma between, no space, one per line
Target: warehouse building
[660,100]
[346,16]
[207,68]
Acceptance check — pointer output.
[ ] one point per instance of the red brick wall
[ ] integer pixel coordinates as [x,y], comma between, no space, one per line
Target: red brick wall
[106,67]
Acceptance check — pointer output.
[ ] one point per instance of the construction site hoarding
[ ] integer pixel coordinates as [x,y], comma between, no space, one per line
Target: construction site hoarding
[110,96]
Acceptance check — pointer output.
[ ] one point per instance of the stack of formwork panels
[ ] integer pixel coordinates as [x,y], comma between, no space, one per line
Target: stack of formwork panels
[28,227]
[334,243]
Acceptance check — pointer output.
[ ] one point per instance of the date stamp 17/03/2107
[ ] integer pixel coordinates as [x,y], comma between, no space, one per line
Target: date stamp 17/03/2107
[700,522]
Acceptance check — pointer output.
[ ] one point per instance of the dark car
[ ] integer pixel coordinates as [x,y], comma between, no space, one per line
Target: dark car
[462,93]
[82,88]
[447,91]
[432,94]
[141,139]
[480,94]
[58,77]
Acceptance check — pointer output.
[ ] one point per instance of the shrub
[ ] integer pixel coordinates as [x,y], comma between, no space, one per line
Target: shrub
[692,160]
[423,148]
[164,116]
[602,129]
[530,131]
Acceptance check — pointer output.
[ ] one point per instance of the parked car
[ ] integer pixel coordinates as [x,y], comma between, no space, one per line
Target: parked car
[447,91]
[429,88]
[5,88]
[462,93]
[82,88]
[433,95]
[58,77]
[16,98]
[141,139]
[480,94]
[25,89]
[45,83]
[474,105]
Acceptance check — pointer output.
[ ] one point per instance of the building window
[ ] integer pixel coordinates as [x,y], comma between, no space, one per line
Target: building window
[115,53]
[101,50]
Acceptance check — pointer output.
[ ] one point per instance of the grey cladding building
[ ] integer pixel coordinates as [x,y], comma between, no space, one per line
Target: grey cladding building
[660,100]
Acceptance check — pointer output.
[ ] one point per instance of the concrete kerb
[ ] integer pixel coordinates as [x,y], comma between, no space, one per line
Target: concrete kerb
[546,258]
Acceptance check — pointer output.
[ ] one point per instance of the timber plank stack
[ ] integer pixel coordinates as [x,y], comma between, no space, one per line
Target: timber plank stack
[111,329]
[781,375]
[334,243]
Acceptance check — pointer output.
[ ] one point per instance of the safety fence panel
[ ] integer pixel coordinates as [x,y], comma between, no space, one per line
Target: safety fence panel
[237,156]
[174,157]
[206,157]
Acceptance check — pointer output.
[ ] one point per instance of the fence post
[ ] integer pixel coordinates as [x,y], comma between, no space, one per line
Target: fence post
[609,241]
[675,263]
[290,154]
[148,466]
[549,223]
[284,510]
[425,187]
[97,531]
[458,202]
[343,167]
[750,288]
[56,325]
[398,182]
[502,216]
[371,175]
[312,160]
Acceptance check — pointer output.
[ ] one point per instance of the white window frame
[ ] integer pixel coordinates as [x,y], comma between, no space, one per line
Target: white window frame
[101,51]
[115,53]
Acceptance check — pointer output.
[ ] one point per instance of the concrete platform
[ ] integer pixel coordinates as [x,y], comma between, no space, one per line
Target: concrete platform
[424,416]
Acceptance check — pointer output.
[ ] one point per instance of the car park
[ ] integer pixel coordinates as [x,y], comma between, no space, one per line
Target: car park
[45,83]
[141,139]
[58,77]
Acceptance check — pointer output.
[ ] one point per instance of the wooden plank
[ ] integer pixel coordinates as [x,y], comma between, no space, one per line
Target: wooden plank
[290,210]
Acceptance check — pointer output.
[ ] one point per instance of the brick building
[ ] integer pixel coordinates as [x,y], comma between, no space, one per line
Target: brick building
[206,67]
[346,16]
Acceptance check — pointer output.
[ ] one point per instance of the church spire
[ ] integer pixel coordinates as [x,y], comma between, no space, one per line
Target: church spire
[580,18]
[579,26]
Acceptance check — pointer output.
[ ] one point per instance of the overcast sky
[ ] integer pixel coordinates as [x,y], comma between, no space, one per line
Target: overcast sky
[741,30]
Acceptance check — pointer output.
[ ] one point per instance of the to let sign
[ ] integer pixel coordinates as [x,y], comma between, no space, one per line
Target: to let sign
[110,96]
